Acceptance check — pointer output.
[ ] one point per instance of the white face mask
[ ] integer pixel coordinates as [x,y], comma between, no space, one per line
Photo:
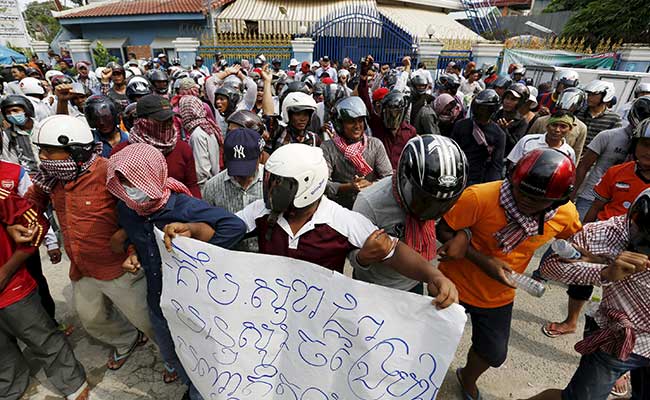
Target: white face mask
[136,194]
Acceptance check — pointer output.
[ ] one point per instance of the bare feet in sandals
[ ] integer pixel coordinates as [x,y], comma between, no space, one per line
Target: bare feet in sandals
[84,395]
[116,361]
[169,374]
[556,329]
[621,387]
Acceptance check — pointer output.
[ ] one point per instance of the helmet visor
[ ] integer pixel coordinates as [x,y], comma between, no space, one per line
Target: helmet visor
[103,120]
[279,192]
[393,117]
[422,204]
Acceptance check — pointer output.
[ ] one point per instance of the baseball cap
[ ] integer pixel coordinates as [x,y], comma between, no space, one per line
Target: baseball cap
[293,62]
[162,55]
[241,149]
[379,94]
[315,64]
[154,107]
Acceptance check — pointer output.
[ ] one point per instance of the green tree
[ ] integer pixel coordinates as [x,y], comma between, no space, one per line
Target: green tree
[597,20]
[102,56]
[39,20]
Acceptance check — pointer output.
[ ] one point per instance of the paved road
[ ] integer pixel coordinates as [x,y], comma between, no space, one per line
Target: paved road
[535,362]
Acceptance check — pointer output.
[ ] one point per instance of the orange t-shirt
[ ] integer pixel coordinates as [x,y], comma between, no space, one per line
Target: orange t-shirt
[619,187]
[479,210]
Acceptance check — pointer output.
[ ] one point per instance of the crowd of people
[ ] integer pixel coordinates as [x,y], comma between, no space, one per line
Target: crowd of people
[449,181]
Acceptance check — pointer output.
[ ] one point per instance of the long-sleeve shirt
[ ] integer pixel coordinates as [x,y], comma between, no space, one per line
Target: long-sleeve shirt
[205,149]
[394,143]
[483,167]
[343,171]
[608,238]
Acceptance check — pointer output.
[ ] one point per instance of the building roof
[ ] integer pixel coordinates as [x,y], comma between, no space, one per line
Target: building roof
[138,7]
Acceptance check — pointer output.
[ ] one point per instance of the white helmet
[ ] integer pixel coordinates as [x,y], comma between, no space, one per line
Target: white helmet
[51,74]
[31,86]
[302,163]
[569,78]
[135,71]
[344,72]
[296,102]
[519,69]
[532,98]
[601,87]
[62,131]
[642,87]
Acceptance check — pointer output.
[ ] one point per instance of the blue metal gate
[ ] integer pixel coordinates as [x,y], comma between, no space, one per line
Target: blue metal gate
[460,57]
[359,30]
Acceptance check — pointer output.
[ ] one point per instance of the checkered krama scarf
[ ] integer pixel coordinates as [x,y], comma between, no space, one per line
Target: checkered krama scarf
[144,167]
[520,227]
[354,153]
[55,171]
[160,135]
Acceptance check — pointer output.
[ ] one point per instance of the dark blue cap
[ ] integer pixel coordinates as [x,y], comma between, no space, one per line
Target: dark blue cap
[241,150]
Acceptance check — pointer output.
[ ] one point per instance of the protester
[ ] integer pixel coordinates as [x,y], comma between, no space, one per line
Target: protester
[73,171]
[86,77]
[407,205]
[533,207]
[482,139]
[508,117]
[206,139]
[355,160]
[565,79]
[33,90]
[596,114]
[448,111]
[113,84]
[326,232]
[148,198]
[154,126]
[22,316]
[102,116]
[614,256]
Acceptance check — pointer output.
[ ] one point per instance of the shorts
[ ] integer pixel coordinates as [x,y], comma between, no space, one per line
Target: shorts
[490,332]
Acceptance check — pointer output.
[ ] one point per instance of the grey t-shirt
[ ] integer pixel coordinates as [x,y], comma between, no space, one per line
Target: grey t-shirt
[611,146]
[378,205]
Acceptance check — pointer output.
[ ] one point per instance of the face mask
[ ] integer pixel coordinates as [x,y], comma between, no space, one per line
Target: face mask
[136,194]
[17,119]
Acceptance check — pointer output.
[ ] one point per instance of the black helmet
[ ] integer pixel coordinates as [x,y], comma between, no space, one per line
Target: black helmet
[14,100]
[638,223]
[129,115]
[347,109]
[519,91]
[502,82]
[431,175]
[158,75]
[640,110]
[490,69]
[418,80]
[641,131]
[571,100]
[393,109]
[138,87]
[485,104]
[247,119]
[115,67]
[319,88]
[448,82]
[276,61]
[60,80]
[101,113]
[230,92]
[333,93]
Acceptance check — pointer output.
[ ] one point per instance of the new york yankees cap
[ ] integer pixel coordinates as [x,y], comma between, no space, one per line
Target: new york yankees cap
[241,149]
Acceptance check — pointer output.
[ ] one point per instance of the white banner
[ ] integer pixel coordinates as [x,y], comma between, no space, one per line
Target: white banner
[251,326]
[12,26]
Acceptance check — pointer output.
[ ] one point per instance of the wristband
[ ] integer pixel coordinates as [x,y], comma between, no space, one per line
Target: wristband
[468,232]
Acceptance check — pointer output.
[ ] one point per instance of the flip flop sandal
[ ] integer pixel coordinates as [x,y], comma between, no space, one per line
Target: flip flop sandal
[552,333]
[616,393]
[466,395]
[169,375]
[120,359]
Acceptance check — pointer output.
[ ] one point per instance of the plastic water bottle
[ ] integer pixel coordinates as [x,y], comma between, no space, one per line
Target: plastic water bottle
[565,250]
[530,285]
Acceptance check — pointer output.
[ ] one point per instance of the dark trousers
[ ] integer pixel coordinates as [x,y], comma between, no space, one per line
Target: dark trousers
[35,269]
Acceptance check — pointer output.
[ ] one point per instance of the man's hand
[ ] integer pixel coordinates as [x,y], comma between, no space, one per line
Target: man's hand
[327,129]
[234,70]
[21,234]
[55,255]
[500,272]
[443,290]
[266,75]
[543,111]
[377,247]
[107,73]
[406,61]
[62,91]
[455,248]
[627,263]
[504,123]
[360,183]
[175,229]
[131,264]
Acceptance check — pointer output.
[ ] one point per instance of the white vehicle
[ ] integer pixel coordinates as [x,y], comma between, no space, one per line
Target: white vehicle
[624,82]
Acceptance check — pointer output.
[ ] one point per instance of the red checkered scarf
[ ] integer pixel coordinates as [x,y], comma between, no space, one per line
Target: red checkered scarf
[418,235]
[158,134]
[520,227]
[55,171]
[354,153]
[617,338]
[146,169]
[194,115]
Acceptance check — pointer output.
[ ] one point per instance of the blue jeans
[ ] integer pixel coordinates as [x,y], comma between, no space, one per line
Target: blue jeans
[597,374]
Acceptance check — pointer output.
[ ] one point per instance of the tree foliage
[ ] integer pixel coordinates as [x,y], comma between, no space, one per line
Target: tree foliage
[102,56]
[39,20]
[597,20]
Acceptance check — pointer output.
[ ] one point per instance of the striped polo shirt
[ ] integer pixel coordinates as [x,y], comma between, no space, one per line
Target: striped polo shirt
[599,123]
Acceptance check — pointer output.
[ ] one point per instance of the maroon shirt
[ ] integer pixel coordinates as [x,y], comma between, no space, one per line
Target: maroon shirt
[325,240]
[180,165]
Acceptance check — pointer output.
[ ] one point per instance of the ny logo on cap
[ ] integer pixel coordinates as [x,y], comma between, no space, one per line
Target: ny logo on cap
[239,151]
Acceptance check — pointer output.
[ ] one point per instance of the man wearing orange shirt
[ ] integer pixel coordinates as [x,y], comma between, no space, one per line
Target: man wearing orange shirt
[533,208]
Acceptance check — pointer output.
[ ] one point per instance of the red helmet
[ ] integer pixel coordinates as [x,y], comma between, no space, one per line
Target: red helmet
[545,174]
